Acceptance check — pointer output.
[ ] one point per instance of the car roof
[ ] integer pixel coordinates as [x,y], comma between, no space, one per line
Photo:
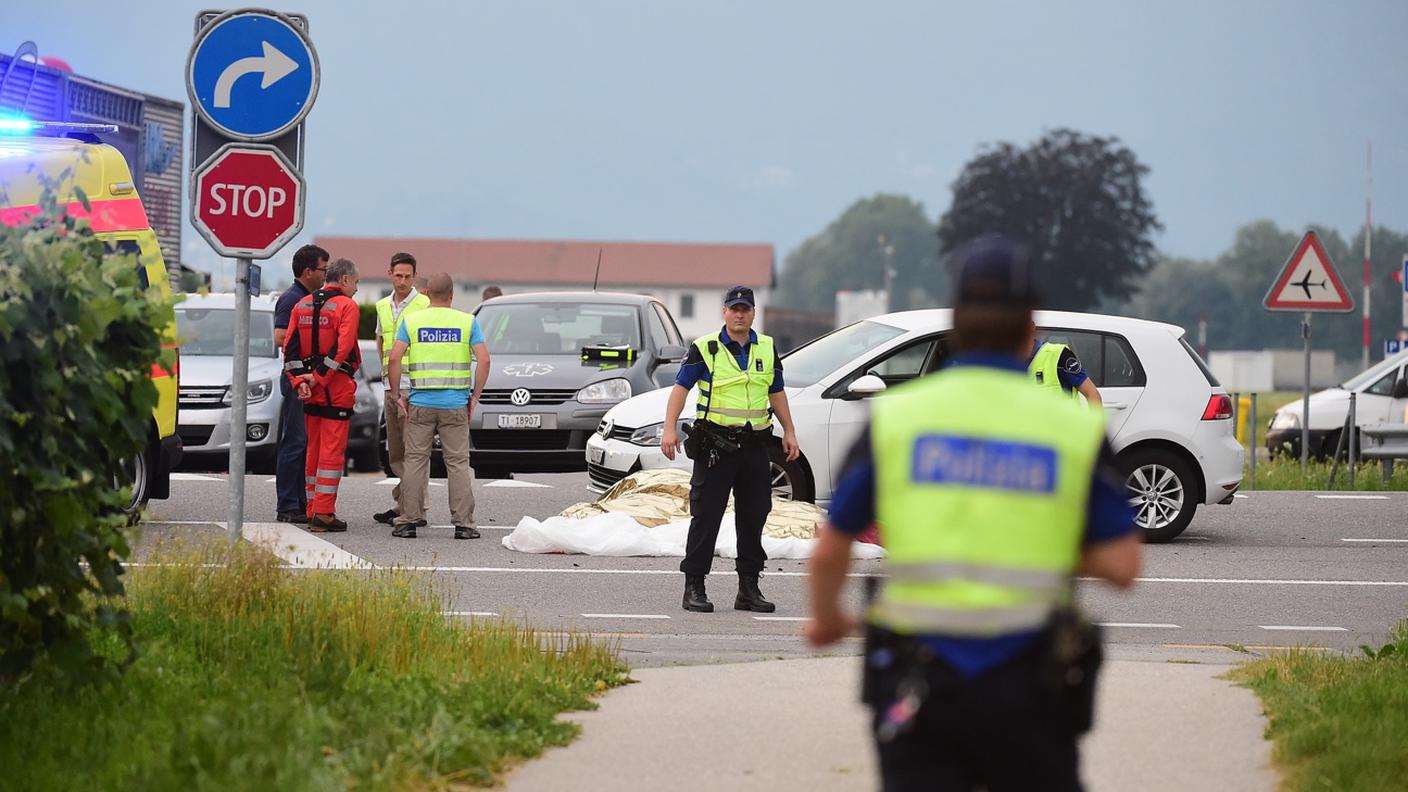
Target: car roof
[929,318]
[603,297]
[264,302]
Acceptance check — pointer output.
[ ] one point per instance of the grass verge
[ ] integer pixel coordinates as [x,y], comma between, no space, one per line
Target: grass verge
[252,677]
[1286,474]
[1338,723]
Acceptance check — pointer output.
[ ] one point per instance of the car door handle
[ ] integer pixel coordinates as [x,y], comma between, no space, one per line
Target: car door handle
[1117,405]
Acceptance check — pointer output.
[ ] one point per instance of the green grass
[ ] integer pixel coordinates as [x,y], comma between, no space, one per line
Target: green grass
[252,677]
[1286,474]
[1338,723]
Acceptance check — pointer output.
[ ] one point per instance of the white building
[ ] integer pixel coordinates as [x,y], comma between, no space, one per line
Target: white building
[689,278]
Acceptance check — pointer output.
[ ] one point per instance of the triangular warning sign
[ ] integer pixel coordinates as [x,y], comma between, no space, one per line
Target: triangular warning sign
[1309,282]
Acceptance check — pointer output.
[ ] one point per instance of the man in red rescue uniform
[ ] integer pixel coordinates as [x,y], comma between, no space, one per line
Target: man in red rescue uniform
[320,359]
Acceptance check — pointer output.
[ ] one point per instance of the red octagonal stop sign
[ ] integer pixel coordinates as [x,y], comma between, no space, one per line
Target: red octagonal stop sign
[248,200]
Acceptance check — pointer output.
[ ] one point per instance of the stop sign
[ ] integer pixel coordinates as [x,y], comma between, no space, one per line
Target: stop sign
[248,200]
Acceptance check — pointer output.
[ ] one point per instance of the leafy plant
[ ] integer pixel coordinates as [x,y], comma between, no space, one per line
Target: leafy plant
[79,334]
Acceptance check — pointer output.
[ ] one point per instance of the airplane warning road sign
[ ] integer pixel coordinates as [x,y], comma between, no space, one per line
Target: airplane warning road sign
[1309,282]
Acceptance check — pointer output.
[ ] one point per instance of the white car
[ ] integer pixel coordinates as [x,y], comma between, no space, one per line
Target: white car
[1382,396]
[1168,418]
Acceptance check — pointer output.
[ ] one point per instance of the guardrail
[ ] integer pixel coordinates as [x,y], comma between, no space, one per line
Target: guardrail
[1385,442]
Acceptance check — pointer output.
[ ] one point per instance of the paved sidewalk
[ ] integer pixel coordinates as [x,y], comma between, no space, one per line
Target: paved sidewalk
[796,725]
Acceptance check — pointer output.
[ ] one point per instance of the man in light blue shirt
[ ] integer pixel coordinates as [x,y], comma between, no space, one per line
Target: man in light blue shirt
[439,345]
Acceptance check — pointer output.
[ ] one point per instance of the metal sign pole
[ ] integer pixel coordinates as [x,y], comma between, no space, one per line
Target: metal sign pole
[1253,443]
[239,397]
[1305,412]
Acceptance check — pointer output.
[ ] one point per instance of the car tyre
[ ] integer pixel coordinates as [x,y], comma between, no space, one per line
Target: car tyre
[1162,491]
[789,479]
[137,473]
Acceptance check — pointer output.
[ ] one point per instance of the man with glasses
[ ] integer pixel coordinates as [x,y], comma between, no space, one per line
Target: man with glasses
[310,267]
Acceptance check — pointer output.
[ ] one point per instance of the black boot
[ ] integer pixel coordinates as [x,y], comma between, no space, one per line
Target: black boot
[749,597]
[694,597]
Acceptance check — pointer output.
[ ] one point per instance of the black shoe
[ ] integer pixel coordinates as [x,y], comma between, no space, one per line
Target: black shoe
[387,517]
[326,523]
[296,517]
[695,599]
[407,530]
[749,597]
[463,532]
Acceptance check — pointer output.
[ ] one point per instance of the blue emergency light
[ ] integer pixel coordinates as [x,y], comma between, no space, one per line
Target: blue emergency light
[23,126]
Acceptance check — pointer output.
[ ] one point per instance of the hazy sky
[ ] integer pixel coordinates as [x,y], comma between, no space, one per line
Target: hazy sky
[761,121]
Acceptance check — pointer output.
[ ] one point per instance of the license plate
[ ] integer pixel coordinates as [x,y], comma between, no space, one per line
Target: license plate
[520,421]
[596,455]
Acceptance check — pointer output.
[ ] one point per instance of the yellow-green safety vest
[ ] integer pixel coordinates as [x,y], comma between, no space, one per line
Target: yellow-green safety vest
[1045,370]
[440,355]
[732,396]
[981,495]
[390,321]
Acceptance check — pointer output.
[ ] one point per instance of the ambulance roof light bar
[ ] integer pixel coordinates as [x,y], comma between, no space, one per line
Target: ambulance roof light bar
[24,126]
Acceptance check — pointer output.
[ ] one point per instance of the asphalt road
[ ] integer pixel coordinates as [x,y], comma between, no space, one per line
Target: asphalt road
[1273,569]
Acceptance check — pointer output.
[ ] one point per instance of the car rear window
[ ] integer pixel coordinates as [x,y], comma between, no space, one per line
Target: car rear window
[1198,359]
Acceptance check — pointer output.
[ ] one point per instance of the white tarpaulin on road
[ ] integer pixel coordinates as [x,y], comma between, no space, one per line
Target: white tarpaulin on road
[647,514]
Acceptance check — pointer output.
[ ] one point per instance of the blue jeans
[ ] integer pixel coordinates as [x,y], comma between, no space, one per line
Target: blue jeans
[293,444]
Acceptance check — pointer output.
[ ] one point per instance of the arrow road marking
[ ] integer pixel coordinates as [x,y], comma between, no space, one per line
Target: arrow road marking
[274,65]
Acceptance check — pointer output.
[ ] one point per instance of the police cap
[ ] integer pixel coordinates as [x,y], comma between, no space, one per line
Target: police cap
[737,295]
[993,271]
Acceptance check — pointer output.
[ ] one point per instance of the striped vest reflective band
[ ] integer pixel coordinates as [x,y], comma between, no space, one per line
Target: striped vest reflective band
[439,355]
[389,321]
[982,502]
[1045,370]
[732,396]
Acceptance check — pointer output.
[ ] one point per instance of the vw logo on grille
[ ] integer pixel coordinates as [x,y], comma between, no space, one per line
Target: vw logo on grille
[520,396]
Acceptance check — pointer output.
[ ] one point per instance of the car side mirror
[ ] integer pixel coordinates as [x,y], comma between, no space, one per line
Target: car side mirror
[868,385]
[1400,389]
[672,353]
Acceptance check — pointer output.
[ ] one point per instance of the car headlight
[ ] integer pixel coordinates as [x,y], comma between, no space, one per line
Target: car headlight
[605,392]
[650,435]
[258,392]
[1285,420]
[366,402]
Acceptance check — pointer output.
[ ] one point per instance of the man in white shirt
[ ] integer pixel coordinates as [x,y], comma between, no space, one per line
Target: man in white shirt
[404,299]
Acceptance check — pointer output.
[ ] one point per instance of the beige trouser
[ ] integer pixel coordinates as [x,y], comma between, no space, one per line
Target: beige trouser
[396,448]
[453,426]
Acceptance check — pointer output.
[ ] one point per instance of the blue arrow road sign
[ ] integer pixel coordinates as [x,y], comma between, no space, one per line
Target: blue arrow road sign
[252,74]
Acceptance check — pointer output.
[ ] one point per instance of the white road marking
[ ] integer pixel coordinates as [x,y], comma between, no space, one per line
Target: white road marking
[391,482]
[624,615]
[482,527]
[301,549]
[193,477]
[180,522]
[1240,495]
[1153,626]
[1352,497]
[580,571]
[1302,628]
[506,483]
[1374,540]
[781,618]
[468,613]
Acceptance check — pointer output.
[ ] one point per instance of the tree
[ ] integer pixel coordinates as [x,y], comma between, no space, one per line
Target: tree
[851,253]
[1076,200]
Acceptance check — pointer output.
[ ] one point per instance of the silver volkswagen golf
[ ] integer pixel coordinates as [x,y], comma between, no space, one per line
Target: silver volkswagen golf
[560,361]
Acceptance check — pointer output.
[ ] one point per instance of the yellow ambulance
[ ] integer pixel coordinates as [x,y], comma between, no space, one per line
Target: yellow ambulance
[35,153]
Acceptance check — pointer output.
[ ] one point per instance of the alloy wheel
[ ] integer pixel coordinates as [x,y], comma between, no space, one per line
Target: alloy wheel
[1156,493]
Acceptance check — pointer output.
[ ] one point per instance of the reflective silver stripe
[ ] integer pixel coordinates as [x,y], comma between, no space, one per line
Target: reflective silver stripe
[310,479]
[331,362]
[293,365]
[326,489]
[962,621]
[441,366]
[441,382]
[330,473]
[732,413]
[1039,581]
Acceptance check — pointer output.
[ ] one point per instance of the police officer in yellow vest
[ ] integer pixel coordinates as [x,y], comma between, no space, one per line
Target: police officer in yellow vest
[990,496]
[1056,368]
[740,388]
[443,350]
[403,300]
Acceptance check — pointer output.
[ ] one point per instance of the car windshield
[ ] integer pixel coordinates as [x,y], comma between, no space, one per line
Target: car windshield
[557,328]
[211,331]
[1372,374]
[810,364]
